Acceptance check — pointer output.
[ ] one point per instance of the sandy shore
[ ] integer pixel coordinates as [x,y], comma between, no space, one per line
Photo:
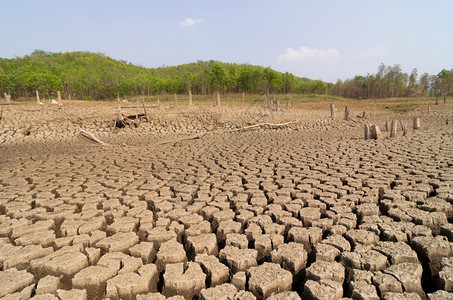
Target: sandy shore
[189,204]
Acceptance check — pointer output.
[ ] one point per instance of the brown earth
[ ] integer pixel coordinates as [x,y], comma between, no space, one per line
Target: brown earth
[196,204]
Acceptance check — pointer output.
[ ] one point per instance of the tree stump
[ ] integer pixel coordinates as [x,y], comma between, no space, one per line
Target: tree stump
[393,129]
[346,113]
[332,111]
[366,131]
[416,123]
[375,132]
[7,98]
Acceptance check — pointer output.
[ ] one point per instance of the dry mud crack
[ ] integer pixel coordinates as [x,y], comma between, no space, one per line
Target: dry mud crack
[309,210]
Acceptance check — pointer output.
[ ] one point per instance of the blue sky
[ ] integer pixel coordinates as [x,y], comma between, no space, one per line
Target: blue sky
[316,39]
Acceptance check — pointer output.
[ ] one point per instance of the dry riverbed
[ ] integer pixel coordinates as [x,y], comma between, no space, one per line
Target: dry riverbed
[196,203]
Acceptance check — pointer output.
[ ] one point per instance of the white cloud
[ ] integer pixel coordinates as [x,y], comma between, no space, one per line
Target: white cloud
[374,52]
[307,54]
[189,22]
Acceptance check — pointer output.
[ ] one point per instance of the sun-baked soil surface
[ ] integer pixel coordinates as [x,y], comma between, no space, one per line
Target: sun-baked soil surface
[196,204]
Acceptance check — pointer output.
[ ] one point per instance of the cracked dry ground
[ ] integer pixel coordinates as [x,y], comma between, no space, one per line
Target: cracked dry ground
[312,212]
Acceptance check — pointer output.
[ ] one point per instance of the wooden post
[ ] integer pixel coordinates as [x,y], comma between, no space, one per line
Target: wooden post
[243,96]
[217,98]
[190,97]
[119,115]
[429,109]
[277,105]
[364,114]
[136,110]
[287,104]
[292,103]
[416,123]
[346,113]
[386,127]
[176,100]
[37,97]
[437,100]
[366,131]
[445,99]
[332,111]
[404,129]
[59,98]
[158,99]
[147,118]
[393,129]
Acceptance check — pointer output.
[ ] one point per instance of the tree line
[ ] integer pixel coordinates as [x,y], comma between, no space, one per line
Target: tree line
[391,82]
[85,75]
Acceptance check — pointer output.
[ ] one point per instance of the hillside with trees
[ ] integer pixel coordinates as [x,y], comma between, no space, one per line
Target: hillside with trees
[84,75]
[391,82]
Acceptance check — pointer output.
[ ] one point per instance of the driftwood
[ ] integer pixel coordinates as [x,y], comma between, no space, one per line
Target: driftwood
[265,124]
[90,136]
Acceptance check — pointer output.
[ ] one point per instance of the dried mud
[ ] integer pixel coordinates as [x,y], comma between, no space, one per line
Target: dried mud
[190,206]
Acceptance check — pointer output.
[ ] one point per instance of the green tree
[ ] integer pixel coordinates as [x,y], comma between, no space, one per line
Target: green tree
[318,87]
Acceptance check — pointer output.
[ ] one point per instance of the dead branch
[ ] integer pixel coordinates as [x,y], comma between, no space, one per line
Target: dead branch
[188,138]
[90,136]
[147,118]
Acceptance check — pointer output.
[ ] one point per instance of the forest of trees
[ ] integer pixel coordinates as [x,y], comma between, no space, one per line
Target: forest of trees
[84,75]
[391,82]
